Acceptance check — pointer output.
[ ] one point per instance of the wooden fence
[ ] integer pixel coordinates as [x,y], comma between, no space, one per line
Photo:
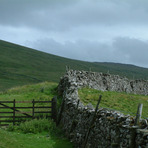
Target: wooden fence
[19,111]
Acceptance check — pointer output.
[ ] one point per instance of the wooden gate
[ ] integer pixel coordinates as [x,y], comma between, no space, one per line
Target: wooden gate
[19,111]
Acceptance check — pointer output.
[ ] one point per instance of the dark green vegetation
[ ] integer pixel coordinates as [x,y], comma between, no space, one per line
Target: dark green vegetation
[20,65]
[126,103]
[35,133]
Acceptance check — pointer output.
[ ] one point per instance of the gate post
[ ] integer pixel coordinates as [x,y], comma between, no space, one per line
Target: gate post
[14,112]
[33,109]
[54,109]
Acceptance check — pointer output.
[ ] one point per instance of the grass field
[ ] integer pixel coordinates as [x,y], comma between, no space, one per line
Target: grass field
[17,139]
[34,133]
[126,103]
[44,91]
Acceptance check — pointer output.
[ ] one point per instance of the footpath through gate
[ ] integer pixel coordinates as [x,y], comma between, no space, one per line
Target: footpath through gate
[19,111]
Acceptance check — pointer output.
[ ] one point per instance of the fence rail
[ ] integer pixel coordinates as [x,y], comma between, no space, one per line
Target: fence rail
[19,111]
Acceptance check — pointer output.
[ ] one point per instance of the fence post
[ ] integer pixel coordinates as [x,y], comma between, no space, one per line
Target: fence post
[132,140]
[54,109]
[33,109]
[138,115]
[14,112]
[91,123]
[134,128]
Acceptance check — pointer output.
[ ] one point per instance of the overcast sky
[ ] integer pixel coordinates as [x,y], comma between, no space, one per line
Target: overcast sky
[90,30]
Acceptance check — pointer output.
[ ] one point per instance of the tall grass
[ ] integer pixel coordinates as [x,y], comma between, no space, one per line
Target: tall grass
[37,126]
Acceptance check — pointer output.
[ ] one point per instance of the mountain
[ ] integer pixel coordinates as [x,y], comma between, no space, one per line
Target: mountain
[21,65]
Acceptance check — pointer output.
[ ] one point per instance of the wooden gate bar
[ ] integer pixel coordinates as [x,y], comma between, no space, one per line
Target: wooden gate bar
[15,116]
[24,113]
[23,101]
[11,120]
[4,124]
[43,112]
[15,109]
[6,102]
[6,112]
[42,101]
[6,107]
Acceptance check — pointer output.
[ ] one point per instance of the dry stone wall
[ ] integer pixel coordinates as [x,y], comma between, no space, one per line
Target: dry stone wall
[104,82]
[110,128]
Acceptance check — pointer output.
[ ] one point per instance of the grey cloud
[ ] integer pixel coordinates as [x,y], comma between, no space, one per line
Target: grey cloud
[122,50]
[81,49]
[134,49]
[34,13]
[59,15]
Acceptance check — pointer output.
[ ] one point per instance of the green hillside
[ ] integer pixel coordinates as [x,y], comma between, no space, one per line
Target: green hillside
[130,71]
[20,65]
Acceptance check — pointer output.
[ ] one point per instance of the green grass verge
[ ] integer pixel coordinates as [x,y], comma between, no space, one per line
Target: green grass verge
[126,103]
[20,140]
[40,133]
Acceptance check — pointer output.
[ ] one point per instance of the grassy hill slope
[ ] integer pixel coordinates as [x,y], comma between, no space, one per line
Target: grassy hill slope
[20,65]
[130,71]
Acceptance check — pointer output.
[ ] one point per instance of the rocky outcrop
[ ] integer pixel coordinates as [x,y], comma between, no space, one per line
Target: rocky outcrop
[110,128]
